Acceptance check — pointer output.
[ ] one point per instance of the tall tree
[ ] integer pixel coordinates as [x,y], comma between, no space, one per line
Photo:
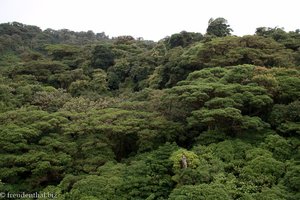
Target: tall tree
[102,57]
[218,27]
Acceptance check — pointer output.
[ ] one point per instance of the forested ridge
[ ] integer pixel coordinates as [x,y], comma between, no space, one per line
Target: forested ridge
[86,116]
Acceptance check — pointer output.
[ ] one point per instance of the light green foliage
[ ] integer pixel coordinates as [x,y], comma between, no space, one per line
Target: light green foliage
[150,176]
[271,193]
[83,104]
[291,179]
[23,129]
[146,177]
[289,88]
[219,119]
[52,192]
[192,159]
[229,98]
[50,99]
[261,168]
[199,192]
[125,130]
[257,50]
[216,117]
[97,187]
[279,146]
[78,87]
[98,83]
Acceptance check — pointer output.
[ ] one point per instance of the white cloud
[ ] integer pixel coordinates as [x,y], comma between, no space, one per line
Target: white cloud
[151,19]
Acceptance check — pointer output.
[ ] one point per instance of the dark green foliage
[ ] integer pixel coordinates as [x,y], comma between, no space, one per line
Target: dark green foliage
[60,52]
[218,27]
[42,70]
[290,39]
[286,118]
[88,117]
[102,57]
[183,39]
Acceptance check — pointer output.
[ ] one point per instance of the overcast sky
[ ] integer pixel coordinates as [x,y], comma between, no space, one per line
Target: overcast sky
[151,19]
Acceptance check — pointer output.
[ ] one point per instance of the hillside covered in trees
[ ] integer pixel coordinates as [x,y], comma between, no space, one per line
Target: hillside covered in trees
[86,116]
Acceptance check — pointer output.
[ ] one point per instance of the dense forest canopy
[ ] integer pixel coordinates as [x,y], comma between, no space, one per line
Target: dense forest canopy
[192,116]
